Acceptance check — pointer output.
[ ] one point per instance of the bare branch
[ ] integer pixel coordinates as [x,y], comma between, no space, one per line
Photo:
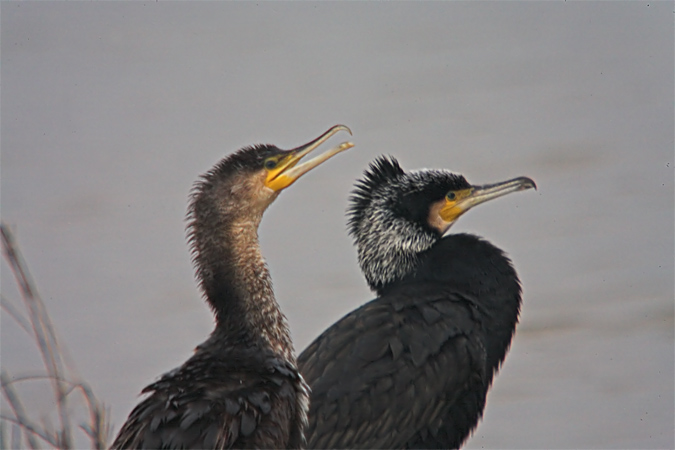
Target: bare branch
[100,427]
[17,407]
[16,315]
[16,436]
[56,361]
[42,328]
[30,429]
[18,379]
[3,435]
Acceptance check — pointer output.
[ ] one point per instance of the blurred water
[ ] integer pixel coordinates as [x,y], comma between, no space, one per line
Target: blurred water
[110,111]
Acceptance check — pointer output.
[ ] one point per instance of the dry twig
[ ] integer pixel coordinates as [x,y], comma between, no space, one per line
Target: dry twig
[41,329]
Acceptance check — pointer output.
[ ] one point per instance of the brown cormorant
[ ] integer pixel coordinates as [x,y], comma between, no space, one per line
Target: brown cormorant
[241,388]
[411,369]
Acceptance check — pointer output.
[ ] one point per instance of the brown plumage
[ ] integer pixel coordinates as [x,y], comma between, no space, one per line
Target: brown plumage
[241,388]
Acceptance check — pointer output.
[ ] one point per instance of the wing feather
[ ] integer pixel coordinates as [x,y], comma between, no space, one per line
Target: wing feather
[208,403]
[381,368]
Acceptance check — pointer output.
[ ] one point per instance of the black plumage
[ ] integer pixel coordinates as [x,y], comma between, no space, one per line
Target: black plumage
[241,388]
[412,368]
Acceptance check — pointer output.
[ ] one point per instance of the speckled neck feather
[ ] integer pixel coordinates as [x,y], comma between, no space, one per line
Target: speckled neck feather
[224,215]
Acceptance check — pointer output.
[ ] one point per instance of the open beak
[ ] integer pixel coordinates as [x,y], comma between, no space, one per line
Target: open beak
[475,195]
[287,171]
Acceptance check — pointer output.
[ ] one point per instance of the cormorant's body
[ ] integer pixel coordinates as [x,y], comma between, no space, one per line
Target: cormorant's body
[241,388]
[411,369]
[420,358]
[222,398]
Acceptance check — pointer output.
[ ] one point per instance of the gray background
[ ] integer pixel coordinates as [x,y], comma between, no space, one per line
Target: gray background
[110,111]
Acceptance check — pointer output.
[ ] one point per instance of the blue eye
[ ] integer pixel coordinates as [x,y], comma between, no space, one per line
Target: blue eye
[270,164]
[451,196]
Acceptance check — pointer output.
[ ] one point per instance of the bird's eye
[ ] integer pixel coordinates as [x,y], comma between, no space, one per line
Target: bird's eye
[270,164]
[451,196]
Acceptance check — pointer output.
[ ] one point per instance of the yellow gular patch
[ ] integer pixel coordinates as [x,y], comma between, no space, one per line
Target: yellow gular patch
[276,180]
[455,206]
[435,220]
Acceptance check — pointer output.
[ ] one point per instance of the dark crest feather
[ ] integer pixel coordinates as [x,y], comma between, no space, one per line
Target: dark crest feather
[247,158]
[385,169]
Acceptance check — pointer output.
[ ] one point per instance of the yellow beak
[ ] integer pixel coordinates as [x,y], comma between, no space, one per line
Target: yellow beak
[287,172]
[475,195]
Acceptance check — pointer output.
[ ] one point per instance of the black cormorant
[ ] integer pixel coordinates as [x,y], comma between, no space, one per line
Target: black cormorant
[411,369]
[241,388]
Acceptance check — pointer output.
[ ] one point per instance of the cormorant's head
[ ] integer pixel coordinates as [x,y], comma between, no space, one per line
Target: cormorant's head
[228,202]
[246,182]
[395,215]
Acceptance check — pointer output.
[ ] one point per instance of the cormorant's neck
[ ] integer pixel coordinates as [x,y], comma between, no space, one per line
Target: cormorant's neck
[389,248]
[233,273]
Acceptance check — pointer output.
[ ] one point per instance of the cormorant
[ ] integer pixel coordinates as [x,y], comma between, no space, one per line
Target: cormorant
[411,369]
[241,388]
